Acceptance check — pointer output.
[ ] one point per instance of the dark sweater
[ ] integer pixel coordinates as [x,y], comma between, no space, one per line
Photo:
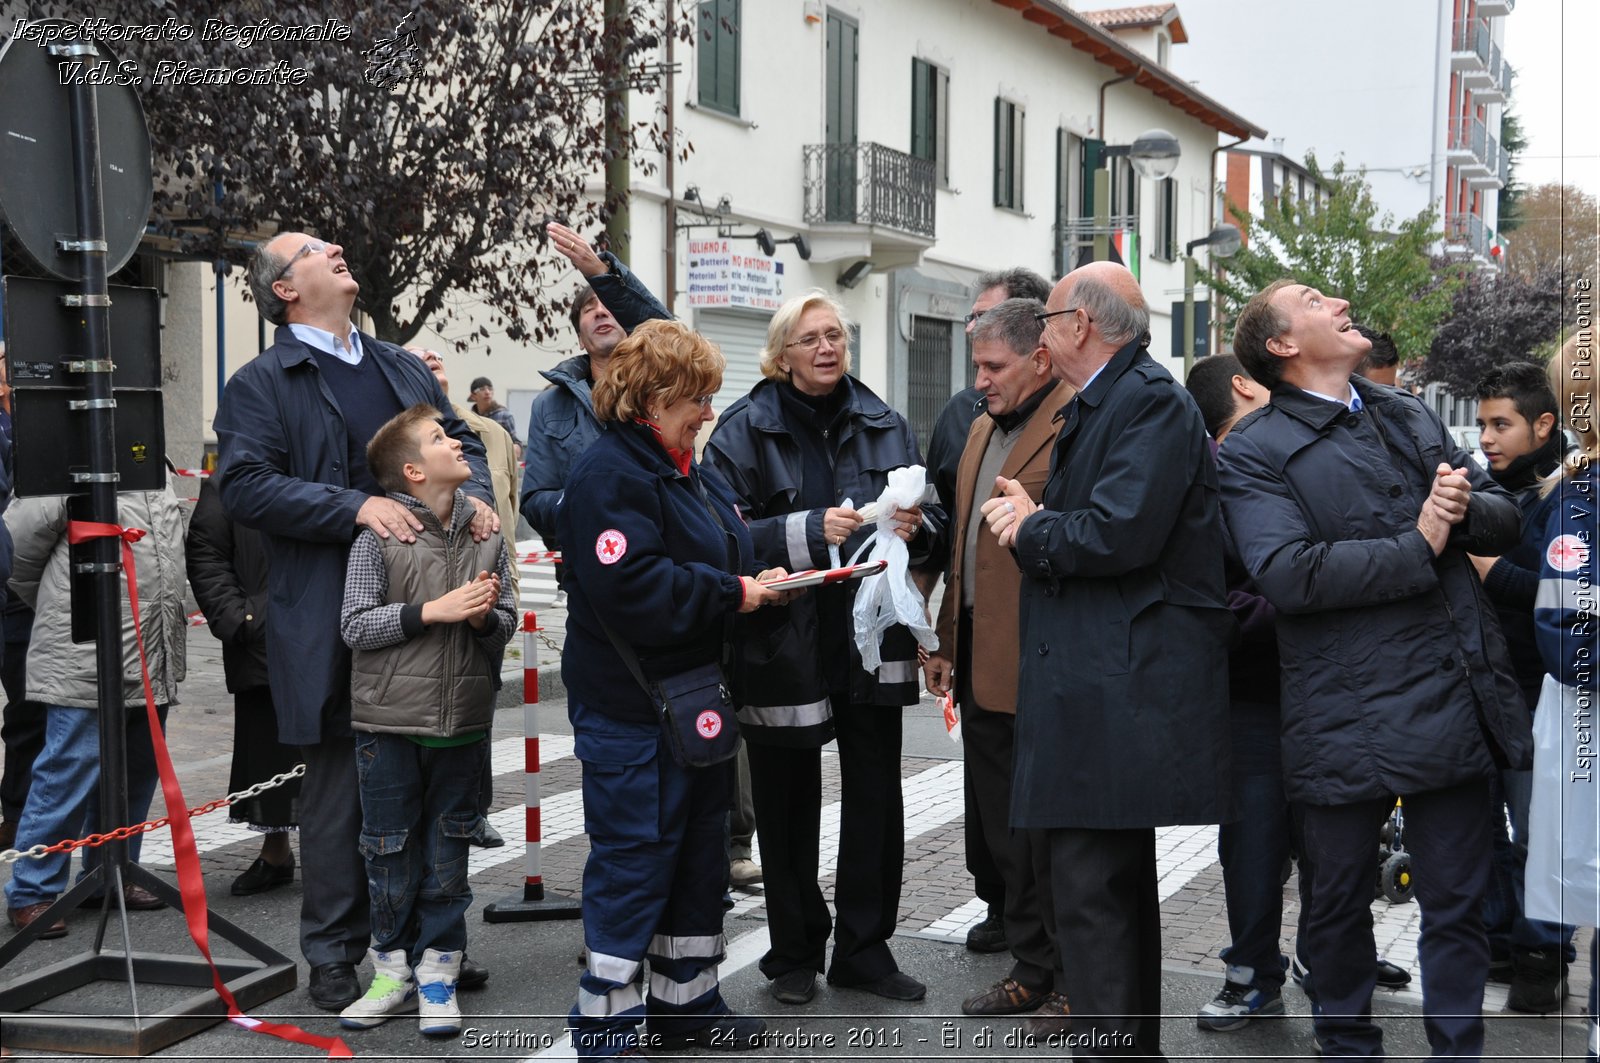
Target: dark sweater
[366,400]
[1513,582]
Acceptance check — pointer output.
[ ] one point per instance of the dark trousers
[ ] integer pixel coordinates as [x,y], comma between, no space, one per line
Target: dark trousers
[1108,919]
[872,841]
[1447,834]
[1020,857]
[335,920]
[787,787]
[1253,849]
[21,729]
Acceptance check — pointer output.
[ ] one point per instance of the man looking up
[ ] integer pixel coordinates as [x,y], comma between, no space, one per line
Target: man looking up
[562,423]
[292,432]
[1353,512]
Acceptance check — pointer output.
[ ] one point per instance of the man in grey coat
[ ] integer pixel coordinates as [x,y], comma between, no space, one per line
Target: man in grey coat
[1122,700]
[292,430]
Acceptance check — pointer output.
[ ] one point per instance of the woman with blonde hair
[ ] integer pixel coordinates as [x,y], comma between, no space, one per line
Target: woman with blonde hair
[802,450]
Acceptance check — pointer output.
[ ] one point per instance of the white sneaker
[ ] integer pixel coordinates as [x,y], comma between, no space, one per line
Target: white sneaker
[393,990]
[438,1015]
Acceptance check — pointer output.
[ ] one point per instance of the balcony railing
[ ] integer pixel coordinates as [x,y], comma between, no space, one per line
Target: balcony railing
[1491,8]
[869,184]
[1470,45]
[1466,233]
[1469,145]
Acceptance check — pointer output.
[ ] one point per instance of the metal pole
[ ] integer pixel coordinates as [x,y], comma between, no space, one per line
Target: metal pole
[1188,314]
[101,478]
[671,241]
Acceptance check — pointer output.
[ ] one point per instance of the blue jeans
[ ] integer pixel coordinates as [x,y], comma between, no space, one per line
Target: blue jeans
[1253,849]
[1509,930]
[64,798]
[419,810]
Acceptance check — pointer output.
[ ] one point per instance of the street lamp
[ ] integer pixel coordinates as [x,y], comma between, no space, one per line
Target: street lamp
[1154,154]
[1224,241]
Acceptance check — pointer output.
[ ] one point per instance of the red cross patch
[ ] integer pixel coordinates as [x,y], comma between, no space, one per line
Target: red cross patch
[1567,553]
[610,547]
[709,724]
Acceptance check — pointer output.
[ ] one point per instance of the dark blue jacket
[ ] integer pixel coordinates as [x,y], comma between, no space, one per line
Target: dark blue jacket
[645,555]
[1394,668]
[1565,613]
[754,447]
[283,446]
[945,447]
[1122,701]
[561,423]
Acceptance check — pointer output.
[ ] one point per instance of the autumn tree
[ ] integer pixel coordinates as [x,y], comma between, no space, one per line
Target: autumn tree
[1339,243]
[1496,318]
[431,143]
[1559,233]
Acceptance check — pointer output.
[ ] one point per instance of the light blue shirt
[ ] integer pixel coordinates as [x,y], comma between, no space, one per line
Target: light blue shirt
[328,343]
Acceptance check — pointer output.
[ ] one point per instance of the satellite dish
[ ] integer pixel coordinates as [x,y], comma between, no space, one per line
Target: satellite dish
[38,195]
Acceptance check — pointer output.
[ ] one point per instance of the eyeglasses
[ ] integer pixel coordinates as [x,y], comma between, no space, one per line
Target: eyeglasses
[810,343]
[1042,318]
[704,401]
[312,247]
[975,315]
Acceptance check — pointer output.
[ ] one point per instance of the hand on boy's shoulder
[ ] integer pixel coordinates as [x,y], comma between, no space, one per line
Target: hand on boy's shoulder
[387,517]
[485,521]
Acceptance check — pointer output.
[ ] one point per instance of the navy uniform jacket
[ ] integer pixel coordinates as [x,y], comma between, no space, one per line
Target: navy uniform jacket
[1122,704]
[645,554]
[283,447]
[1396,678]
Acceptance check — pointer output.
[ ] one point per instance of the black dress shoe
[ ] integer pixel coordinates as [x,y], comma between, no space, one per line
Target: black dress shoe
[137,898]
[473,975]
[794,987]
[989,935]
[334,986]
[1392,976]
[487,838]
[261,876]
[895,986]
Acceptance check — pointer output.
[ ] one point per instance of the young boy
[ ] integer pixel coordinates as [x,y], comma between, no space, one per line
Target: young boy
[427,622]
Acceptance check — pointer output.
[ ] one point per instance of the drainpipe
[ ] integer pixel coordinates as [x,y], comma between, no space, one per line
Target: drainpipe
[1100,121]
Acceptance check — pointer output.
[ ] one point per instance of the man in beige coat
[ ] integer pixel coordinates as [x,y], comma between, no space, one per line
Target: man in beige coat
[978,638]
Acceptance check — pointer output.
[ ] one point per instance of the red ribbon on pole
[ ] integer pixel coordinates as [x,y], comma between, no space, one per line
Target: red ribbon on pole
[190,880]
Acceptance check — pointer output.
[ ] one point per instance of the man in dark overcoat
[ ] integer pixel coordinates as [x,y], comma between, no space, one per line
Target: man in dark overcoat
[292,432]
[1355,512]
[1123,695]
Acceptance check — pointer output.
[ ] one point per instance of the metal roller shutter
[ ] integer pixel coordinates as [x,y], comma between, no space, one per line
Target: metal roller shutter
[741,336]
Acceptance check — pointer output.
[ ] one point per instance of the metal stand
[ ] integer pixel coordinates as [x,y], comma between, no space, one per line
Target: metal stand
[269,973]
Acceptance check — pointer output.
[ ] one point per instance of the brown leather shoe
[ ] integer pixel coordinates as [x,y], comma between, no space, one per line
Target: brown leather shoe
[1053,1018]
[137,898]
[1006,997]
[25,916]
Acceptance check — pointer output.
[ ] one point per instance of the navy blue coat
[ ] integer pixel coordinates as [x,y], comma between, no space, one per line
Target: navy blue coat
[754,447]
[644,554]
[1122,701]
[1394,668]
[283,445]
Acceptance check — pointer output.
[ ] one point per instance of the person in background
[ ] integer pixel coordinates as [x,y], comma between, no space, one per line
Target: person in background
[22,721]
[1517,418]
[484,405]
[662,563]
[945,447]
[228,575]
[63,800]
[1382,364]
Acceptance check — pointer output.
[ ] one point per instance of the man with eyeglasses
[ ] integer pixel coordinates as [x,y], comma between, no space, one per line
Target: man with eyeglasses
[1123,691]
[944,455]
[292,431]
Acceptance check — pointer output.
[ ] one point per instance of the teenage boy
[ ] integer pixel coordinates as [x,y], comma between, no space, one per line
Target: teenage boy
[426,621]
[1517,418]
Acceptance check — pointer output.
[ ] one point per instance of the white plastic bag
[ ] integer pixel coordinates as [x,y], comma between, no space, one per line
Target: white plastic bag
[1563,871]
[890,597]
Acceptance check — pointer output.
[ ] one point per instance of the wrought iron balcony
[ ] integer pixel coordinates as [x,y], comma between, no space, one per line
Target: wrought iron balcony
[869,184]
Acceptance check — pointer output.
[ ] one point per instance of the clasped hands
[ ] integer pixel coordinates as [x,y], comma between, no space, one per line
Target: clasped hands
[1007,510]
[470,602]
[1445,506]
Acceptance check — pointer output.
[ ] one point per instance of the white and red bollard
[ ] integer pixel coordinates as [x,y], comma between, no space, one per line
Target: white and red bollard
[534,903]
